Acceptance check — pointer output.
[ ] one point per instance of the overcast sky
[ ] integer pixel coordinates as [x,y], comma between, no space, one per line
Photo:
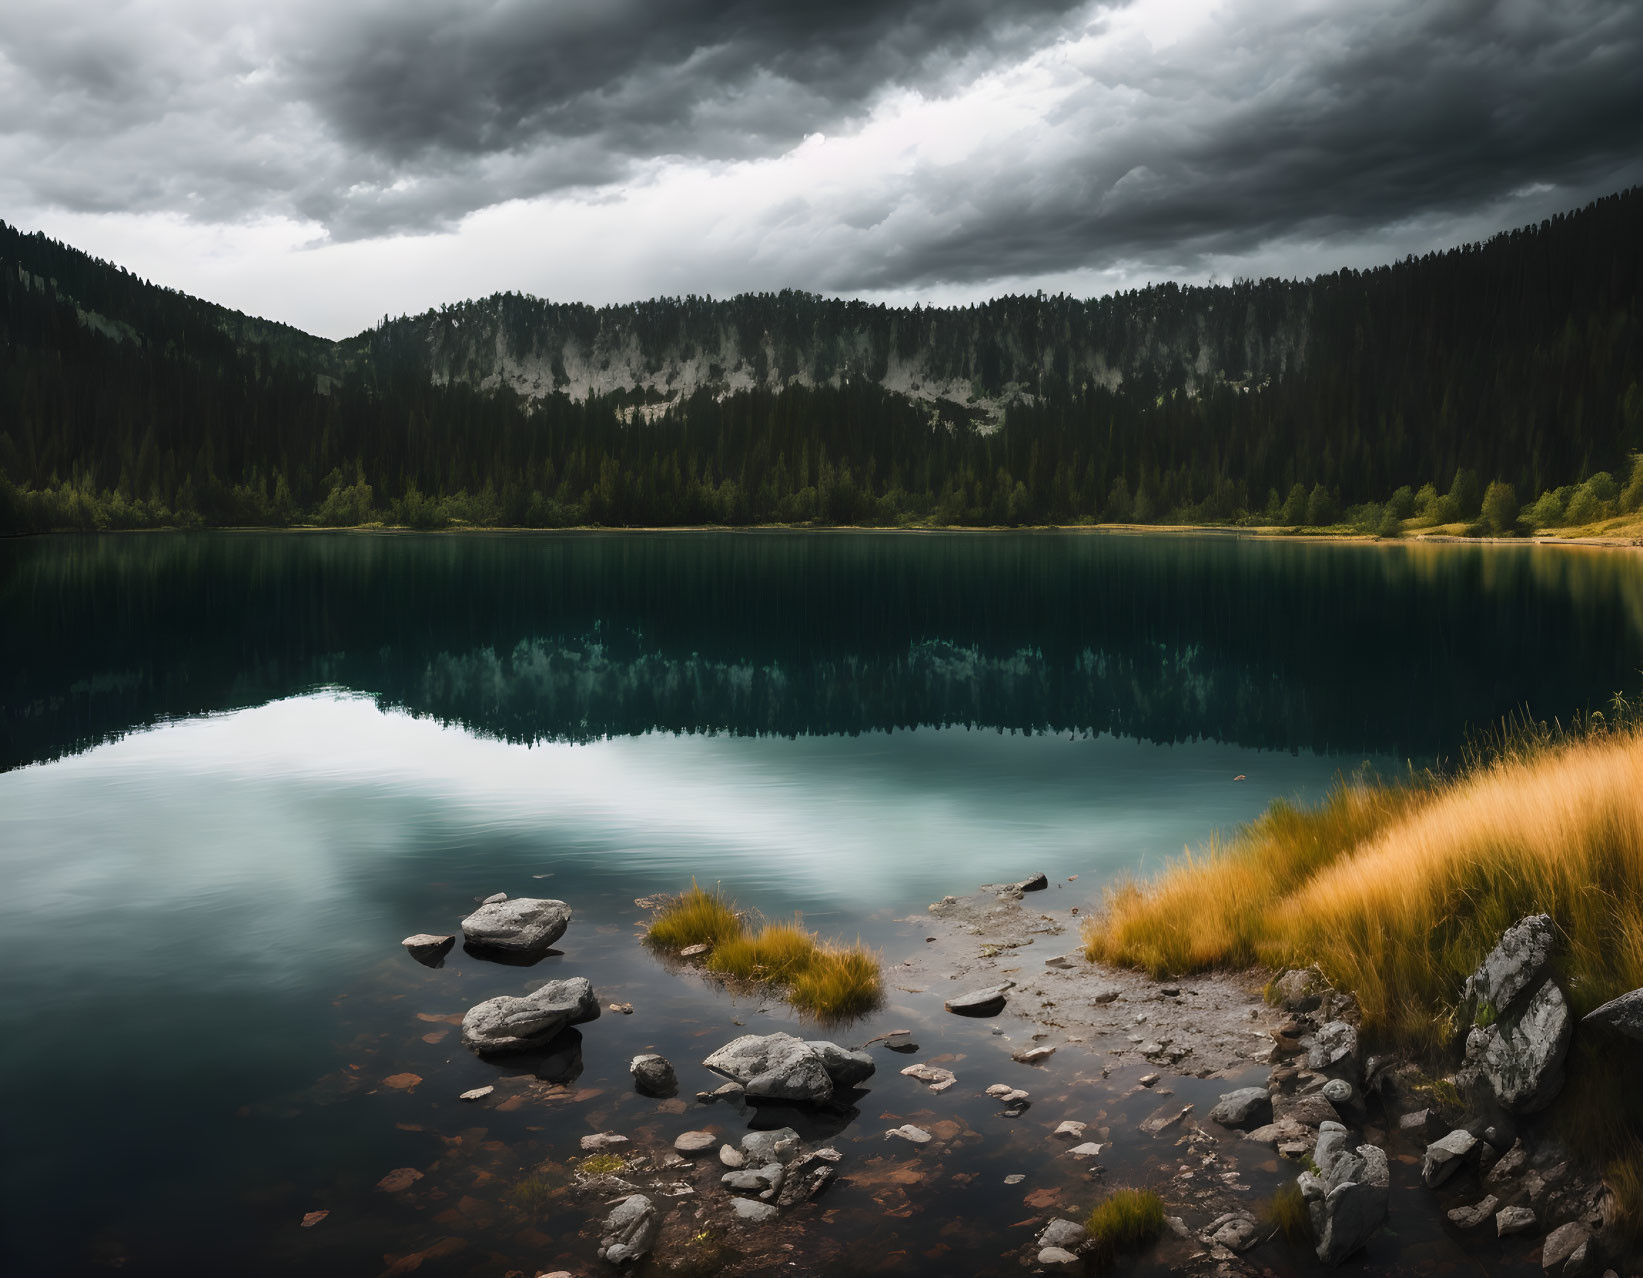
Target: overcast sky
[324,162]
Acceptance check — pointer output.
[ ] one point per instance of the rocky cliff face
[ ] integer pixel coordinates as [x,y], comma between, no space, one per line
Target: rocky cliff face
[981,358]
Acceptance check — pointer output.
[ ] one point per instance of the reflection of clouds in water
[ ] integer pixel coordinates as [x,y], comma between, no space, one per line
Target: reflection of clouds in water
[297,804]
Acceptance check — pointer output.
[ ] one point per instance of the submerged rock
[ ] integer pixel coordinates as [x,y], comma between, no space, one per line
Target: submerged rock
[1247,1107]
[980,1002]
[525,925]
[750,1211]
[510,1024]
[778,1067]
[1236,1231]
[917,1135]
[1346,1197]
[938,1078]
[653,1075]
[629,1230]
[779,1146]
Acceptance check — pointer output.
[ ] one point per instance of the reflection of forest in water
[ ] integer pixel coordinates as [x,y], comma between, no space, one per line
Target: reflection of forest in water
[1284,645]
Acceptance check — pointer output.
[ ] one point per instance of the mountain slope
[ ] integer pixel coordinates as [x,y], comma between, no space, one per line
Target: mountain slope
[127,404]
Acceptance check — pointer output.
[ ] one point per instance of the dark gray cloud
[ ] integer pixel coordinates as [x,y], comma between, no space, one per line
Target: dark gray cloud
[1273,126]
[1129,138]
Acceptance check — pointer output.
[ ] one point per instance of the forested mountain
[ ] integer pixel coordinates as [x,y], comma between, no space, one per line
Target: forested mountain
[1518,360]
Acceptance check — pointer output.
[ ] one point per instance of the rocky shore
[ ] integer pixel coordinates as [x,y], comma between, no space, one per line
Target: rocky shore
[1223,1093]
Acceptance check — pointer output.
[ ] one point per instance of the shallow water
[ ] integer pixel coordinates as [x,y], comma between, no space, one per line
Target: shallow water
[240,768]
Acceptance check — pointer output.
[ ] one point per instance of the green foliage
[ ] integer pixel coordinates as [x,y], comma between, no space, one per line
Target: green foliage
[1500,507]
[1092,408]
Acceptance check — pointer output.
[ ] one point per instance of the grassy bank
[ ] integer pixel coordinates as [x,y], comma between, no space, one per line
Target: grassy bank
[1396,889]
[829,981]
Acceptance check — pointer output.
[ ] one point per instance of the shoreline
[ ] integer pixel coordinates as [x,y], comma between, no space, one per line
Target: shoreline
[1605,541]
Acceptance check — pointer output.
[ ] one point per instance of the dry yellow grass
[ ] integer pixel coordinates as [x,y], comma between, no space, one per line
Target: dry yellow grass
[1396,891]
[696,917]
[829,981]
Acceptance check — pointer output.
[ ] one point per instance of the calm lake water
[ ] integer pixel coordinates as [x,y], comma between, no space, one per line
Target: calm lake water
[239,768]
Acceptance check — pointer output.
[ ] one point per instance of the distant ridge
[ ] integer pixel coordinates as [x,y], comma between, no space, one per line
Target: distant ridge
[1517,358]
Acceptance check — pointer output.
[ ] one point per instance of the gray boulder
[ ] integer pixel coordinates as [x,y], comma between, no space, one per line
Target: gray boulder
[845,1067]
[1447,1156]
[1522,1054]
[629,1230]
[779,1146]
[1333,1050]
[524,925]
[980,1002]
[1623,1015]
[509,1024]
[1346,1197]
[653,1075]
[1515,1220]
[1521,960]
[1568,1249]
[1521,1024]
[774,1067]
[1300,989]
[765,1181]
[1247,1107]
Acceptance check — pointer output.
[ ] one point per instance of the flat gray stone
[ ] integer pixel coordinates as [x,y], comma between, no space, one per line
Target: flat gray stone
[695,1142]
[510,1024]
[908,1132]
[1245,1108]
[1515,1220]
[980,1002]
[524,925]
[1446,1156]
[750,1211]
[1473,1216]
[628,1231]
[426,943]
[1069,1235]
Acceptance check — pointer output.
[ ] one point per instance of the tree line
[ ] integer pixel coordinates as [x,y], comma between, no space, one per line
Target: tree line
[1494,385]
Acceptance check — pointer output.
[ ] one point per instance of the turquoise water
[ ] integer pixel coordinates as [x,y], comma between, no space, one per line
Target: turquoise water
[240,768]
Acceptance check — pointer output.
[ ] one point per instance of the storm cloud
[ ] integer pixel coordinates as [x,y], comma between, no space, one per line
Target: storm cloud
[936,146]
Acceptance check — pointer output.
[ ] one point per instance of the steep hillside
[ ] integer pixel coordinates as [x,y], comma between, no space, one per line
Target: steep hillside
[1518,360]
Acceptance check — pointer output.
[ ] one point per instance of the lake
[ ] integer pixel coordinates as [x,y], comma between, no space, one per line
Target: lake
[238,768]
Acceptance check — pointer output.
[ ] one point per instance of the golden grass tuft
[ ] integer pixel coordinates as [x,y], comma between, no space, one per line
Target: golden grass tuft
[1397,891]
[830,981]
[1286,1212]
[1125,1220]
[696,917]
[840,984]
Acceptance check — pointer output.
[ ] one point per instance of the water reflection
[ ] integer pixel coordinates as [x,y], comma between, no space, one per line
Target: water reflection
[1282,645]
